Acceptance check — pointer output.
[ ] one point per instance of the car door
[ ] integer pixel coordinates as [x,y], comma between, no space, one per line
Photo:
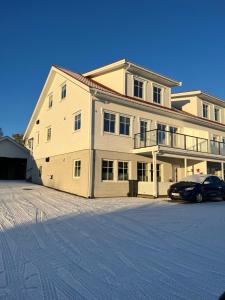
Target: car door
[213,188]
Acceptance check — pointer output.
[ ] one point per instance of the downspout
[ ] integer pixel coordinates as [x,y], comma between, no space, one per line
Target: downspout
[91,174]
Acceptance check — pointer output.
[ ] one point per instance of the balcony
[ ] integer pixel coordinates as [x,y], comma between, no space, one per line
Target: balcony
[178,141]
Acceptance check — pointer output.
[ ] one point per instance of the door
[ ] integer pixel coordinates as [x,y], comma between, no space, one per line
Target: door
[213,188]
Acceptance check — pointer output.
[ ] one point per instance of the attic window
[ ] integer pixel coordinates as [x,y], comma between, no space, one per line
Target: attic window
[47,159]
[37,122]
[63,91]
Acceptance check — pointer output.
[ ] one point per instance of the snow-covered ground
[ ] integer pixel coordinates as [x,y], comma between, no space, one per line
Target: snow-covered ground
[58,246]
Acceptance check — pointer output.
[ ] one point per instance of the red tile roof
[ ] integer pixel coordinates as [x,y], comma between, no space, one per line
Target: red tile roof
[96,85]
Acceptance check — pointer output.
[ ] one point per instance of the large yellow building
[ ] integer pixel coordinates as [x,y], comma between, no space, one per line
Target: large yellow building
[90,134]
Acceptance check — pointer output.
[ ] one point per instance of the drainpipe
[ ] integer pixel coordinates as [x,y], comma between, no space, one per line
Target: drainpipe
[155,183]
[91,175]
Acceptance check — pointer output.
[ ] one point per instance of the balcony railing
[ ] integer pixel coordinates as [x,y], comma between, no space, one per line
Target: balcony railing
[178,140]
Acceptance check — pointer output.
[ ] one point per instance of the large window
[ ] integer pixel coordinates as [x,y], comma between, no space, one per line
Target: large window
[63,91]
[138,88]
[142,171]
[77,168]
[49,133]
[157,94]
[122,170]
[205,110]
[124,125]
[109,122]
[77,121]
[161,133]
[107,169]
[217,114]
[143,129]
[158,172]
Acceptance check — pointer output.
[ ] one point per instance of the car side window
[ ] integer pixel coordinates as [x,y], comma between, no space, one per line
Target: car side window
[213,180]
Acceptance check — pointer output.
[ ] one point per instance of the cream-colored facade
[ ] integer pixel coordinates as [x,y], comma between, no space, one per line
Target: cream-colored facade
[90,134]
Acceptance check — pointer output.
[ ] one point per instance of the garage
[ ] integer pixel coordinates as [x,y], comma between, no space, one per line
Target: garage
[13,160]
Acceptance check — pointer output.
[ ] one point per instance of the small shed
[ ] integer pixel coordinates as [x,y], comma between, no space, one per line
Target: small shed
[13,159]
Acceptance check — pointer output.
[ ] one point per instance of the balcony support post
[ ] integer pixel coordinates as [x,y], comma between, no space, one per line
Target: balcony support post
[222,170]
[185,167]
[155,183]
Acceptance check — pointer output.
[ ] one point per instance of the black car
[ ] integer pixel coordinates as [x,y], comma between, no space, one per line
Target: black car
[198,188]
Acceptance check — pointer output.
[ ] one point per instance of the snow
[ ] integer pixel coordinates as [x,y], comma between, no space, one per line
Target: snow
[55,245]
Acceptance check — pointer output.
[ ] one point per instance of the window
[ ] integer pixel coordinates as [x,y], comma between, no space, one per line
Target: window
[122,170]
[124,125]
[157,94]
[174,138]
[63,92]
[158,172]
[205,110]
[50,101]
[107,170]
[77,121]
[49,133]
[138,88]
[109,122]
[40,171]
[143,129]
[142,171]
[217,114]
[213,180]
[161,133]
[77,168]
[30,143]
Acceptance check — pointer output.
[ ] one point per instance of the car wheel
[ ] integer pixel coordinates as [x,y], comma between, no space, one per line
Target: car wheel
[199,198]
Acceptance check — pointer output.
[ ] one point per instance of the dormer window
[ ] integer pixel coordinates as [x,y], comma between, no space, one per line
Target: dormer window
[157,94]
[217,114]
[205,110]
[138,88]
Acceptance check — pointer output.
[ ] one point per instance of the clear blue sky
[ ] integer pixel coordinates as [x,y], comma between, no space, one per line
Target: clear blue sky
[181,39]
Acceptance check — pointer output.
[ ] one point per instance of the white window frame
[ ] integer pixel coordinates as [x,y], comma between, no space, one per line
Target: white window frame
[64,84]
[128,170]
[30,143]
[219,109]
[147,170]
[143,87]
[103,122]
[50,100]
[208,110]
[161,94]
[74,120]
[130,131]
[75,167]
[113,169]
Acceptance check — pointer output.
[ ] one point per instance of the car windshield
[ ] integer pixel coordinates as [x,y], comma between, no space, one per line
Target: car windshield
[195,178]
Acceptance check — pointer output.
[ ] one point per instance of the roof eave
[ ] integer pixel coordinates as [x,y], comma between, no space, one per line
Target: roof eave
[161,108]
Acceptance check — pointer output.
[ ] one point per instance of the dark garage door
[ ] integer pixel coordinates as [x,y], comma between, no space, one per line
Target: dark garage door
[12,168]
